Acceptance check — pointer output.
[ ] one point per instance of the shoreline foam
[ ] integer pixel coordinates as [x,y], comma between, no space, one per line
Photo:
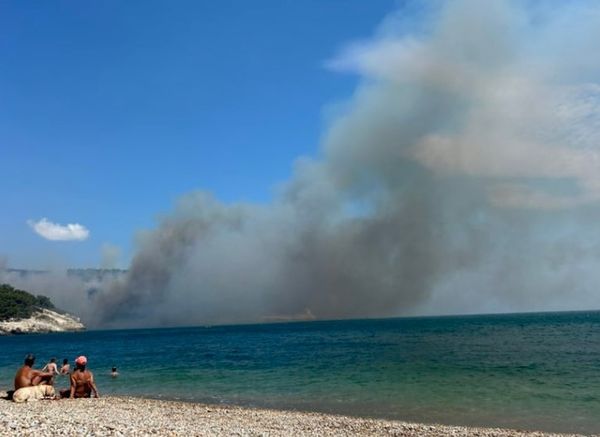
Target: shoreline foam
[110,416]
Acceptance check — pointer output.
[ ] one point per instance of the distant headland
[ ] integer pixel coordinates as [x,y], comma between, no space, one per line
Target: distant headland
[87,274]
[24,313]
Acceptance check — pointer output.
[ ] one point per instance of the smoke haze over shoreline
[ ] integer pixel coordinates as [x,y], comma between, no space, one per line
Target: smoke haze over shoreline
[463,176]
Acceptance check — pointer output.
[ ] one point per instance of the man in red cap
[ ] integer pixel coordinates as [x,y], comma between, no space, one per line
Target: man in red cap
[82,380]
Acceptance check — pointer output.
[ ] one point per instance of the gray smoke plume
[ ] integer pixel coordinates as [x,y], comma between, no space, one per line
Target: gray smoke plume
[110,255]
[462,176]
[70,293]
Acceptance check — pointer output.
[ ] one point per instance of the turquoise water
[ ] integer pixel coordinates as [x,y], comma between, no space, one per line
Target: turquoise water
[529,371]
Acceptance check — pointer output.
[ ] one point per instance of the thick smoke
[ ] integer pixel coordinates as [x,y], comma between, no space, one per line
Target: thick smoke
[69,293]
[463,176]
[110,255]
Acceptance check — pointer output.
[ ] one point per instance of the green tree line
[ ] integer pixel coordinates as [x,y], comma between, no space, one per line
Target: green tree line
[20,304]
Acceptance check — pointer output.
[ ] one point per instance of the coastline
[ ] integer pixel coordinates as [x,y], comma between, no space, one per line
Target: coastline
[42,321]
[112,415]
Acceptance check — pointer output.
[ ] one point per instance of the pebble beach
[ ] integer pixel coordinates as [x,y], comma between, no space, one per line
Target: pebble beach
[116,416]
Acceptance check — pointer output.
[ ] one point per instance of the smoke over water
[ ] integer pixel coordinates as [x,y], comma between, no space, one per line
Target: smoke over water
[463,176]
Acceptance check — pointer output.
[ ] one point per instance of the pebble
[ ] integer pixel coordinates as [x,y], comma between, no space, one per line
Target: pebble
[126,416]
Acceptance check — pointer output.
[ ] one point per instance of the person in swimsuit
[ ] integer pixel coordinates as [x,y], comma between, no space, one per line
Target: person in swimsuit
[65,368]
[51,367]
[27,377]
[82,380]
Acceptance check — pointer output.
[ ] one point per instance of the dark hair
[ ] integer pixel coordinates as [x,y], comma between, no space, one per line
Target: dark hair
[114,369]
[66,361]
[53,360]
[29,360]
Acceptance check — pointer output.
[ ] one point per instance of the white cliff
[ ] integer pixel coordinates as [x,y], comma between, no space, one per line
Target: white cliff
[42,321]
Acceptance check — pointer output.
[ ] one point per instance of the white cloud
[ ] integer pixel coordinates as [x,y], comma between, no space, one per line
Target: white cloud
[56,232]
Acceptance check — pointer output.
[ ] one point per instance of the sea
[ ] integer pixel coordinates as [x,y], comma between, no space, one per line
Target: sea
[527,371]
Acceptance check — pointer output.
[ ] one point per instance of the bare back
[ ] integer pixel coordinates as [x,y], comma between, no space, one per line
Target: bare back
[24,377]
[82,384]
[51,367]
[27,377]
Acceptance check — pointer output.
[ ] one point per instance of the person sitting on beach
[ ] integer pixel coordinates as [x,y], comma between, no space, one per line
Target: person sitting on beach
[82,381]
[114,372]
[28,377]
[65,368]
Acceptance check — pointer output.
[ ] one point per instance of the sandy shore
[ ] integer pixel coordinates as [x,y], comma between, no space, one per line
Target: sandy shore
[114,416]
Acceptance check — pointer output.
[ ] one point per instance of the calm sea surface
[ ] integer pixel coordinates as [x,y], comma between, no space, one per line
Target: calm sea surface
[530,371]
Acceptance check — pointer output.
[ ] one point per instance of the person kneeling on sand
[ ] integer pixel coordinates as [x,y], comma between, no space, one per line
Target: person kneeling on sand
[28,377]
[82,381]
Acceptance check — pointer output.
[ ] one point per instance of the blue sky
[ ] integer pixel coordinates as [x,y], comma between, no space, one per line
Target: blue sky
[455,145]
[111,110]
